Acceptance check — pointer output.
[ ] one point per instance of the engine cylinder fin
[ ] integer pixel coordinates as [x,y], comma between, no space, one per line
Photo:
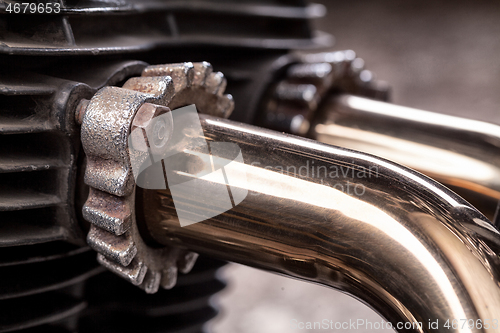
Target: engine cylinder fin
[16,84]
[36,278]
[43,275]
[31,226]
[25,163]
[12,256]
[26,312]
[184,308]
[17,200]
[24,126]
[91,29]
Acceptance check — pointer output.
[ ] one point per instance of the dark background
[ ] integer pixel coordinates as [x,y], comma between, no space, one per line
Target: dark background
[441,56]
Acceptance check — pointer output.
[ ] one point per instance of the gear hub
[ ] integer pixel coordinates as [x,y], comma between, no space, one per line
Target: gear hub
[109,118]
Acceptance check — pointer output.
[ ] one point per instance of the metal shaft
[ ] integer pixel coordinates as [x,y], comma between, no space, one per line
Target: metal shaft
[399,241]
[461,153]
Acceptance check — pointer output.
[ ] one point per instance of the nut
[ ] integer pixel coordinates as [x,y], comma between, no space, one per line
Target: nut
[151,128]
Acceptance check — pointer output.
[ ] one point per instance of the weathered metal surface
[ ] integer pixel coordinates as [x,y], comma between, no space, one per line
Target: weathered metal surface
[114,114]
[293,101]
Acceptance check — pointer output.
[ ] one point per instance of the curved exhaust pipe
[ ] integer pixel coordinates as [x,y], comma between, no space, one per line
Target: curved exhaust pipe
[402,243]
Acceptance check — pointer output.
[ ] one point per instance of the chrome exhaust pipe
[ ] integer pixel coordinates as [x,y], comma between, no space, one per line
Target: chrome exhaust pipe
[461,153]
[414,251]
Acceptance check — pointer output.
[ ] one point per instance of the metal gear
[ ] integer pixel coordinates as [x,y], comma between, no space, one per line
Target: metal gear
[294,99]
[108,119]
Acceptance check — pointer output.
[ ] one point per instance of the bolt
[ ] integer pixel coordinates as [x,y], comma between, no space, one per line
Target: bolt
[151,128]
[80,110]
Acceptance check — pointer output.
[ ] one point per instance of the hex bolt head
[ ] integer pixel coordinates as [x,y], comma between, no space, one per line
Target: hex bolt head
[151,128]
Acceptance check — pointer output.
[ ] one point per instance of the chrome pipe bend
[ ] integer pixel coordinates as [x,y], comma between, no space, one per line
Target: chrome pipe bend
[407,246]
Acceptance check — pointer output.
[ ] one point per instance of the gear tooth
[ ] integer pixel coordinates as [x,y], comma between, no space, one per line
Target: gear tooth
[151,282]
[197,76]
[134,273]
[120,249]
[222,86]
[108,175]
[225,105]
[305,94]
[208,65]
[343,63]
[215,83]
[178,73]
[162,87]
[340,60]
[356,67]
[188,66]
[186,261]
[165,69]
[169,277]
[112,145]
[365,77]
[349,55]
[104,134]
[296,97]
[107,211]
[310,71]
[312,58]
[319,74]
[330,57]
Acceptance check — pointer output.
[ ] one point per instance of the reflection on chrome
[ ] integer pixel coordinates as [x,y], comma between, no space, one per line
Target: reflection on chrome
[437,161]
[419,116]
[463,154]
[407,246]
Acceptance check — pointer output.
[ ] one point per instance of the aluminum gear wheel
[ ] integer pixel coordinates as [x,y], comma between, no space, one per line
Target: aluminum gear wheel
[107,120]
[295,97]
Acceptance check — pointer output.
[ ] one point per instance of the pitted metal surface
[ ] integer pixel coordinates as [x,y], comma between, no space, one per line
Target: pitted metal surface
[294,99]
[106,127]
[107,123]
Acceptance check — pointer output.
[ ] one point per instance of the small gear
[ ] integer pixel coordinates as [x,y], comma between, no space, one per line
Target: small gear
[294,99]
[109,118]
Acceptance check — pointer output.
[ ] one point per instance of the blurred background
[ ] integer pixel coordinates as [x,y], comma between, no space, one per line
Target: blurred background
[438,55]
